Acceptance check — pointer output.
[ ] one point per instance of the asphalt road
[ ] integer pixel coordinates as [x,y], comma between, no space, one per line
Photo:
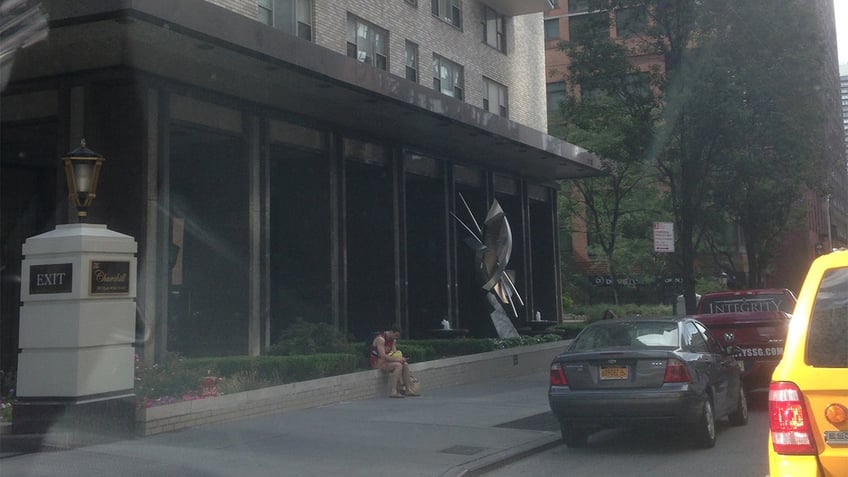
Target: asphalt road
[739,451]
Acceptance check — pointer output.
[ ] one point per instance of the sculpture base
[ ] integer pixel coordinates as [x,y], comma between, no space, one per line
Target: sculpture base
[503,325]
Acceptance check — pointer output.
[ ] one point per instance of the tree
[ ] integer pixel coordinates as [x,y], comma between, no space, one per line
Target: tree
[610,111]
[779,153]
[732,141]
[690,139]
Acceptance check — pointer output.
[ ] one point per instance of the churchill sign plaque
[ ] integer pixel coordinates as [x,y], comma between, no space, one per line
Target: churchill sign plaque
[50,278]
[110,277]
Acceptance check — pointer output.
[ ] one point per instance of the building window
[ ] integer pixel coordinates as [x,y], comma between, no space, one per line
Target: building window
[447,77]
[265,12]
[367,42]
[411,61]
[588,26]
[448,10]
[414,3]
[638,85]
[291,16]
[494,29]
[495,98]
[630,21]
[578,6]
[556,96]
[552,29]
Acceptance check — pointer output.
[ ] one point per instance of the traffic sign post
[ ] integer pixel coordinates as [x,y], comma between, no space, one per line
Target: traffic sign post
[664,237]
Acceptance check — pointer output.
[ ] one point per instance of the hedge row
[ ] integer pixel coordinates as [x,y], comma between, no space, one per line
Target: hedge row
[176,375]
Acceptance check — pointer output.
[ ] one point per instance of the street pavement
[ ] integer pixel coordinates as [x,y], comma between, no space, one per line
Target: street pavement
[450,432]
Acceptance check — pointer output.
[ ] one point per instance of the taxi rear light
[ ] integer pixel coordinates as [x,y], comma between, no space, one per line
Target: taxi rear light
[676,372]
[836,414]
[558,375]
[789,423]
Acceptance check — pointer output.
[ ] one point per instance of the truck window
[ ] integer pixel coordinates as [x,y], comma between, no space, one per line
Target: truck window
[749,303]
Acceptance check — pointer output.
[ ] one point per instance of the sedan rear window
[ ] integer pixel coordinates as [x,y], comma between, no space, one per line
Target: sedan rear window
[827,341]
[629,335]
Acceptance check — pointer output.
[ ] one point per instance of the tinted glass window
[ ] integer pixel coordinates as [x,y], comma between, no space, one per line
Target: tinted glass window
[588,26]
[629,335]
[712,343]
[776,302]
[693,341]
[552,29]
[827,340]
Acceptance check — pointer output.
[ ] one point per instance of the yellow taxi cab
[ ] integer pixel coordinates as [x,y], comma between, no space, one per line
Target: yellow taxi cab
[808,394]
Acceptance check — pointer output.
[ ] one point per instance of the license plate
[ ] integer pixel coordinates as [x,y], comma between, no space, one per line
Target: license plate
[836,437]
[613,372]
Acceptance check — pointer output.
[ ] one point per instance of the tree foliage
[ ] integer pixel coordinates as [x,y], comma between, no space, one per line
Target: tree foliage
[775,85]
[610,110]
[733,127]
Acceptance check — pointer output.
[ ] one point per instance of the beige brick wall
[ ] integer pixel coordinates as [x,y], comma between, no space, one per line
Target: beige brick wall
[521,70]
[242,7]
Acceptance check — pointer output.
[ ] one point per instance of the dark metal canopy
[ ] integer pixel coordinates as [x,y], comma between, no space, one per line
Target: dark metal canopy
[519,7]
[207,46]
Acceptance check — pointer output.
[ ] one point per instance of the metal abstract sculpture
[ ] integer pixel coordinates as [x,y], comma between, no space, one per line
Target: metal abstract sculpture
[492,245]
[23,23]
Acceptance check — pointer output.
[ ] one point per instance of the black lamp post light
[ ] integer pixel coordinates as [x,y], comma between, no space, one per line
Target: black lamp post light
[82,169]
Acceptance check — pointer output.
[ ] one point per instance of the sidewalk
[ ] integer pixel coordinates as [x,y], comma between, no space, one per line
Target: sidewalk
[453,431]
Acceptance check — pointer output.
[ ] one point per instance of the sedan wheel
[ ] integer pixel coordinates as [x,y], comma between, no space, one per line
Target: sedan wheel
[739,417]
[574,436]
[704,431]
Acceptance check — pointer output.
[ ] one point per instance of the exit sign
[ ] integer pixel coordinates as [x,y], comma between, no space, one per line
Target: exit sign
[51,278]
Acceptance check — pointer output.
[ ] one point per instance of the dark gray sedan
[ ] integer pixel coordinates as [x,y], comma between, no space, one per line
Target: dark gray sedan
[637,371]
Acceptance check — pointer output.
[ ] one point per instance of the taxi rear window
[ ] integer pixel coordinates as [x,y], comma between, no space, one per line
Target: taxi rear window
[827,341]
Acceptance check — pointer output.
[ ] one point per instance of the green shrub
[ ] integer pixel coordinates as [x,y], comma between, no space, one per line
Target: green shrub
[445,348]
[179,376]
[303,337]
[5,410]
[279,369]
[596,312]
[170,378]
[570,330]
[176,376]
[503,343]
[247,380]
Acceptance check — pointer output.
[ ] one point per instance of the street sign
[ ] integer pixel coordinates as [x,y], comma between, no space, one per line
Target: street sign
[664,237]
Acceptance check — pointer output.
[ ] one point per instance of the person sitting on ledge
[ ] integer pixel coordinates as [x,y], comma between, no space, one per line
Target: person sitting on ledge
[385,356]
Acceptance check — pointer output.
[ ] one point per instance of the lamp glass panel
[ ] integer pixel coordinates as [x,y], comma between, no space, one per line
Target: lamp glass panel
[83,170]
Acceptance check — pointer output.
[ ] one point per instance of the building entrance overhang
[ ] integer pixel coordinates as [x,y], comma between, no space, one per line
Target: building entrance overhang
[519,7]
[201,45]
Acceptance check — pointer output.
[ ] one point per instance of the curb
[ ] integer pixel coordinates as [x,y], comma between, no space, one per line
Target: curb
[490,462]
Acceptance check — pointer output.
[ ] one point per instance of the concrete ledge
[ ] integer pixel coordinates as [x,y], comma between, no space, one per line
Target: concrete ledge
[348,387]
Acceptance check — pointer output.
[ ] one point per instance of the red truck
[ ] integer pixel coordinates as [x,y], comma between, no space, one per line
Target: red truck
[754,321]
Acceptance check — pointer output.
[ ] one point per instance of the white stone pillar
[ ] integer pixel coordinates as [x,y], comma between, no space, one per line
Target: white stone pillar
[77,324]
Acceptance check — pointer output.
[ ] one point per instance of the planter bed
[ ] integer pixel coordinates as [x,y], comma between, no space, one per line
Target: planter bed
[348,387]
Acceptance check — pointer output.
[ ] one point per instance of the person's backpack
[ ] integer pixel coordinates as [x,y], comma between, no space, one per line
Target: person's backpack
[367,348]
